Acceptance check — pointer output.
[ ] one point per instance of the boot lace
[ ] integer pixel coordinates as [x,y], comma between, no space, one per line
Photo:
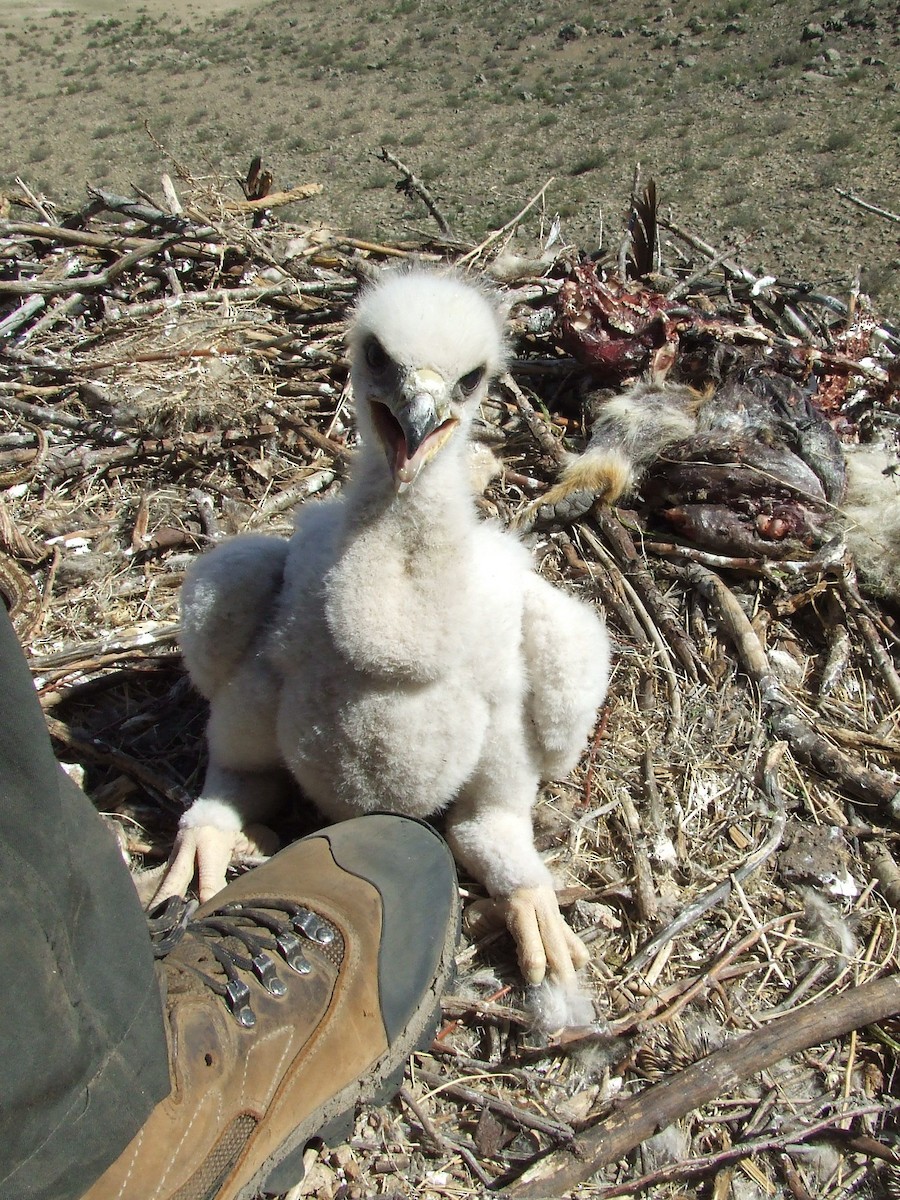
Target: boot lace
[245,939]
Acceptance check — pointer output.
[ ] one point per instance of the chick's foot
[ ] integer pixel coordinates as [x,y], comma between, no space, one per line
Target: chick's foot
[207,852]
[544,942]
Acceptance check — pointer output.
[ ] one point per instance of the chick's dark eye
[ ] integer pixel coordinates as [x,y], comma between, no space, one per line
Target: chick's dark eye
[468,383]
[375,354]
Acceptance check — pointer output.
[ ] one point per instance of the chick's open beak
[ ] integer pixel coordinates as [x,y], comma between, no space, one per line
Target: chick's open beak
[414,424]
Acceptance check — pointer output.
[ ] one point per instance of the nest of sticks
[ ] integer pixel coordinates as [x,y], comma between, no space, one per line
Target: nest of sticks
[173,372]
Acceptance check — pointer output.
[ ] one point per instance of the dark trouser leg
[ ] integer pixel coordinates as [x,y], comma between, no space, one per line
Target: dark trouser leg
[83,1056]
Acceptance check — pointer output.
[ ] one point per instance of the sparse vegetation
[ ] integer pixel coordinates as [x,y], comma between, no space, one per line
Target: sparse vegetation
[728,106]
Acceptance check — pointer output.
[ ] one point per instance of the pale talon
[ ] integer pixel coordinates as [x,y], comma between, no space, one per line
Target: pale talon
[208,852]
[254,845]
[544,941]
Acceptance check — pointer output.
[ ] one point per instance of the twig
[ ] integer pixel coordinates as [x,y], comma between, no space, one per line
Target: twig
[19,316]
[155,217]
[885,870]
[498,233]
[15,542]
[645,891]
[275,199]
[22,597]
[690,915]
[718,1073]
[520,1116]
[52,416]
[291,497]
[865,783]
[634,566]
[766,568]
[682,288]
[411,184]
[838,640]
[691,1168]
[711,253]
[878,654]
[175,795]
[116,242]
[716,969]
[649,625]
[85,283]
[541,430]
[36,202]
[229,296]
[442,1143]
[872,208]
[144,640]
[172,199]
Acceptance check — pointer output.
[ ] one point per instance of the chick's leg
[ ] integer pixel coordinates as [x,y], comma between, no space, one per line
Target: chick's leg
[244,784]
[218,830]
[495,843]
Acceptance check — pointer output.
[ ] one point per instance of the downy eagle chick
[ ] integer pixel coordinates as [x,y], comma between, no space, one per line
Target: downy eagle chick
[398,653]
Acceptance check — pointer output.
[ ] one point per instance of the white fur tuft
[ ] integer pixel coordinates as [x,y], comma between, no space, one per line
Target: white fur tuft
[554,1005]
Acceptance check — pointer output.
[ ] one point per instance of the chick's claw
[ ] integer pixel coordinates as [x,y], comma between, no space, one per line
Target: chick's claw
[544,941]
[207,852]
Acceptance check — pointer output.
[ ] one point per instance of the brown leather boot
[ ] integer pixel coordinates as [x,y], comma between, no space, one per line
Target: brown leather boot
[298,991]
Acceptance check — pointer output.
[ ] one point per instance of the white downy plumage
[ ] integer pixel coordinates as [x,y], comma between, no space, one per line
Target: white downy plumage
[398,653]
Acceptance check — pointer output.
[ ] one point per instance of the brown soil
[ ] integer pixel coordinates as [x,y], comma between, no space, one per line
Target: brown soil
[748,113]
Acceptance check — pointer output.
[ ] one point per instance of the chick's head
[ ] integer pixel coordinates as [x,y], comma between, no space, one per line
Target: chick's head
[424,347]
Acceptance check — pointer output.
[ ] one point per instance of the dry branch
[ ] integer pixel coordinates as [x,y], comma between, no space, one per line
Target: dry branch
[720,893]
[867,207]
[275,199]
[863,783]
[718,1074]
[512,1112]
[412,185]
[693,1168]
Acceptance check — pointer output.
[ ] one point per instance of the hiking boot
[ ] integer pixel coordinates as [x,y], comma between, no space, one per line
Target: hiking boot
[298,991]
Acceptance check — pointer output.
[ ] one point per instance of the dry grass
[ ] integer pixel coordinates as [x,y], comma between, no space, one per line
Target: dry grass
[185,420]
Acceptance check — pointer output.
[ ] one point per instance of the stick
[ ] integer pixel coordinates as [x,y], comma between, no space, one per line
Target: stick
[541,430]
[885,870]
[634,567]
[722,891]
[646,899]
[143,640]
[85,283]
[412,184]
[275,199]
[872,208]
[498,233]
[692,1167]
[645,618]
[722,1072]
[36,202]
[48,416]
[441,1143]
[864,783]
[879,655]
[174,794]
[56,234]
[230,296]
[20,315]
[520,1116]
[150,215]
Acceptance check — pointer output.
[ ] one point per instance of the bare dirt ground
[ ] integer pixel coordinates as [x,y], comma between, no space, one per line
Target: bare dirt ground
[749,113]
